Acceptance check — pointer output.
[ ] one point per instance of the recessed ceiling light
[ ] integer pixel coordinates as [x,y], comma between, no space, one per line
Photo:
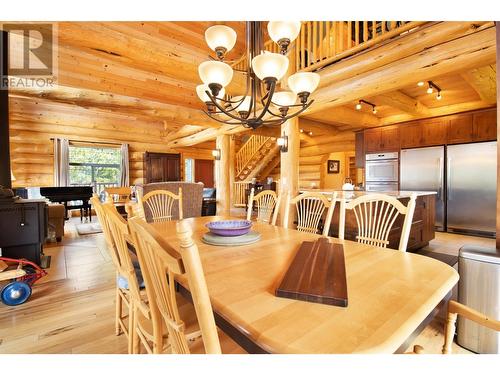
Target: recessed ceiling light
[421,83]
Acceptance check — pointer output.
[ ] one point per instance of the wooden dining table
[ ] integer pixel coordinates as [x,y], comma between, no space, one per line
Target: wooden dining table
[391,294]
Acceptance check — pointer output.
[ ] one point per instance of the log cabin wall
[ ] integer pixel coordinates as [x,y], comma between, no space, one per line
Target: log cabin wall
[33,122]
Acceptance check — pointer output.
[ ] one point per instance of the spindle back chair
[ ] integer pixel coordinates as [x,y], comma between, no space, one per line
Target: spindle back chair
[310,207]
[375,215]
[268,205]
[160,203]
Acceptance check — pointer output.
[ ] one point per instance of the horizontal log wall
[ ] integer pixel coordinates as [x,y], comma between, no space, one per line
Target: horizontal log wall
[33,122]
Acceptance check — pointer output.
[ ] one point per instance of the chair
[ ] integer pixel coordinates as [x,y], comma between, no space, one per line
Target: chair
[455,308]
[192,193]
[131,281]
[375,216]
[310,208]
[266,201]
[119,196]
[157,205]
[161,265]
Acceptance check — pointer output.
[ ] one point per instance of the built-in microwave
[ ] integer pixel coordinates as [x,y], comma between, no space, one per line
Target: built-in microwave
[382,167]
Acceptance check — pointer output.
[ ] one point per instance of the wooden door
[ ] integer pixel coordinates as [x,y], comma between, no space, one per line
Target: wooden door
[373,139]
[460,129]
[411,135]
[485,126]
[389,138]
[204,172]
[159,167]
[434,132]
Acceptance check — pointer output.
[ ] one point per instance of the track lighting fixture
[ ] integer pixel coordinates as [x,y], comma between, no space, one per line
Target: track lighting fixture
[359,105]
[431,87]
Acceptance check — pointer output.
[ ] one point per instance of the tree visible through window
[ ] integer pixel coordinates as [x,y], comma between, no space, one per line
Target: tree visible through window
[95,166]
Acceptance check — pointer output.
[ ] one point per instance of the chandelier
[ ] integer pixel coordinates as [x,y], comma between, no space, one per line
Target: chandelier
[261,104]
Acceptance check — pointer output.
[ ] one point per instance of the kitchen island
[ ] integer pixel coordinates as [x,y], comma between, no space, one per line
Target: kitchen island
[423,223]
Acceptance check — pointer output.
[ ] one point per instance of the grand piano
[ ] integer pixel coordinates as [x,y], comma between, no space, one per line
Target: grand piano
[73,198]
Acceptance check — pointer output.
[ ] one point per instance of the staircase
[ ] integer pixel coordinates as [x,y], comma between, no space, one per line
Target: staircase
[251,155]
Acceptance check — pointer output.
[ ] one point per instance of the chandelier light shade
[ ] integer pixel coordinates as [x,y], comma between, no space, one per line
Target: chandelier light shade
[202,89]
[284,98]
[270,65]
[244,103]
[220,39]
[303,83]
[283,32]
[261,104]
[216,75]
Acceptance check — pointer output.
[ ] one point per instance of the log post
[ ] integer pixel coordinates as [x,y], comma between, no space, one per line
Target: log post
[222,175]
[232,169]
[289,167]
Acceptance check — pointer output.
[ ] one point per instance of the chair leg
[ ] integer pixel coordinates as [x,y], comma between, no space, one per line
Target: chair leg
[118,313]
[449,332]
[132,329]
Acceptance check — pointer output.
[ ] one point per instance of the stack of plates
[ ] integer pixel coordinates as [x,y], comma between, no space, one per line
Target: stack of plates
[230,233]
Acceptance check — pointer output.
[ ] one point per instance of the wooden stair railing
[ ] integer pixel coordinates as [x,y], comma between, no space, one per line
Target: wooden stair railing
[249,152]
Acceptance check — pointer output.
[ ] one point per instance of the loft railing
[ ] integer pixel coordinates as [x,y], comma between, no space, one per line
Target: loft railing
[321,43]
[248,151]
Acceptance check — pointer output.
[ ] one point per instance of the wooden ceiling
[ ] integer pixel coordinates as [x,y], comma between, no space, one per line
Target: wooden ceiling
[148,72]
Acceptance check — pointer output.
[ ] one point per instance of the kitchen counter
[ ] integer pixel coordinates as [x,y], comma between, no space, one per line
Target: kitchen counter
[350,194]
[423,223]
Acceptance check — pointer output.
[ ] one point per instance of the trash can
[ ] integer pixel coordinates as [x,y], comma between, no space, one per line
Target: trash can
[479,288]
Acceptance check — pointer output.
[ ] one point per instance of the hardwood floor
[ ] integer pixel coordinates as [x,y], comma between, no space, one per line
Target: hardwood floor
[72,309]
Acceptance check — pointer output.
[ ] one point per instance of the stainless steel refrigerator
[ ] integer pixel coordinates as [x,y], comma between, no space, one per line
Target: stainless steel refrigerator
[464,177]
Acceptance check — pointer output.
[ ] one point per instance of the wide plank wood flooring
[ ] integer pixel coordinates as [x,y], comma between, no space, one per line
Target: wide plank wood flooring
[72,309]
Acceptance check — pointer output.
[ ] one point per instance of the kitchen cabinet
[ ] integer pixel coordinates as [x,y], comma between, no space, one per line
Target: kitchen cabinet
[484,126]
[434,132]
[373,139]
[411,135]
[389,138]
[382,139]
[460,129]
[360,149]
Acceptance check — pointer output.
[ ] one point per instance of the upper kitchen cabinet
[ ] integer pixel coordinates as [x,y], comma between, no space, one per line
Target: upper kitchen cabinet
[484,126]
[460,129]
[382,139]
[434,131]
[412,135]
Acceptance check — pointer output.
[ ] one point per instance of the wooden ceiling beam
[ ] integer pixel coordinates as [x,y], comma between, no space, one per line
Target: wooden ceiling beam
[484,81]
[104,100]
[439,111]
[397,99]
[341,116]
[470,51]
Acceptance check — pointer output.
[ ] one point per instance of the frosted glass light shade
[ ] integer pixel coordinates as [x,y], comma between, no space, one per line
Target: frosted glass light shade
[215,72]
[200,90]
[284,98]
[279,30]
[243,107]
[270,65]
[303,82]
[220,36]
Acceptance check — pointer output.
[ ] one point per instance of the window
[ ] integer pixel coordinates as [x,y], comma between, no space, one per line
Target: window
[189,170]
[95,166]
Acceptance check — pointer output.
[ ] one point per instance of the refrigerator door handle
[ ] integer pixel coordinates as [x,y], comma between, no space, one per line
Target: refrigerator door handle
[448,179]
[440,181]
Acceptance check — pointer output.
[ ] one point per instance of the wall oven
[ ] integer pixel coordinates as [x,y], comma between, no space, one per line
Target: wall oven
[382,171]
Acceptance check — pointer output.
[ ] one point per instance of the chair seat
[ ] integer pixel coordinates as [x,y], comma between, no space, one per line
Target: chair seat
[123,282]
